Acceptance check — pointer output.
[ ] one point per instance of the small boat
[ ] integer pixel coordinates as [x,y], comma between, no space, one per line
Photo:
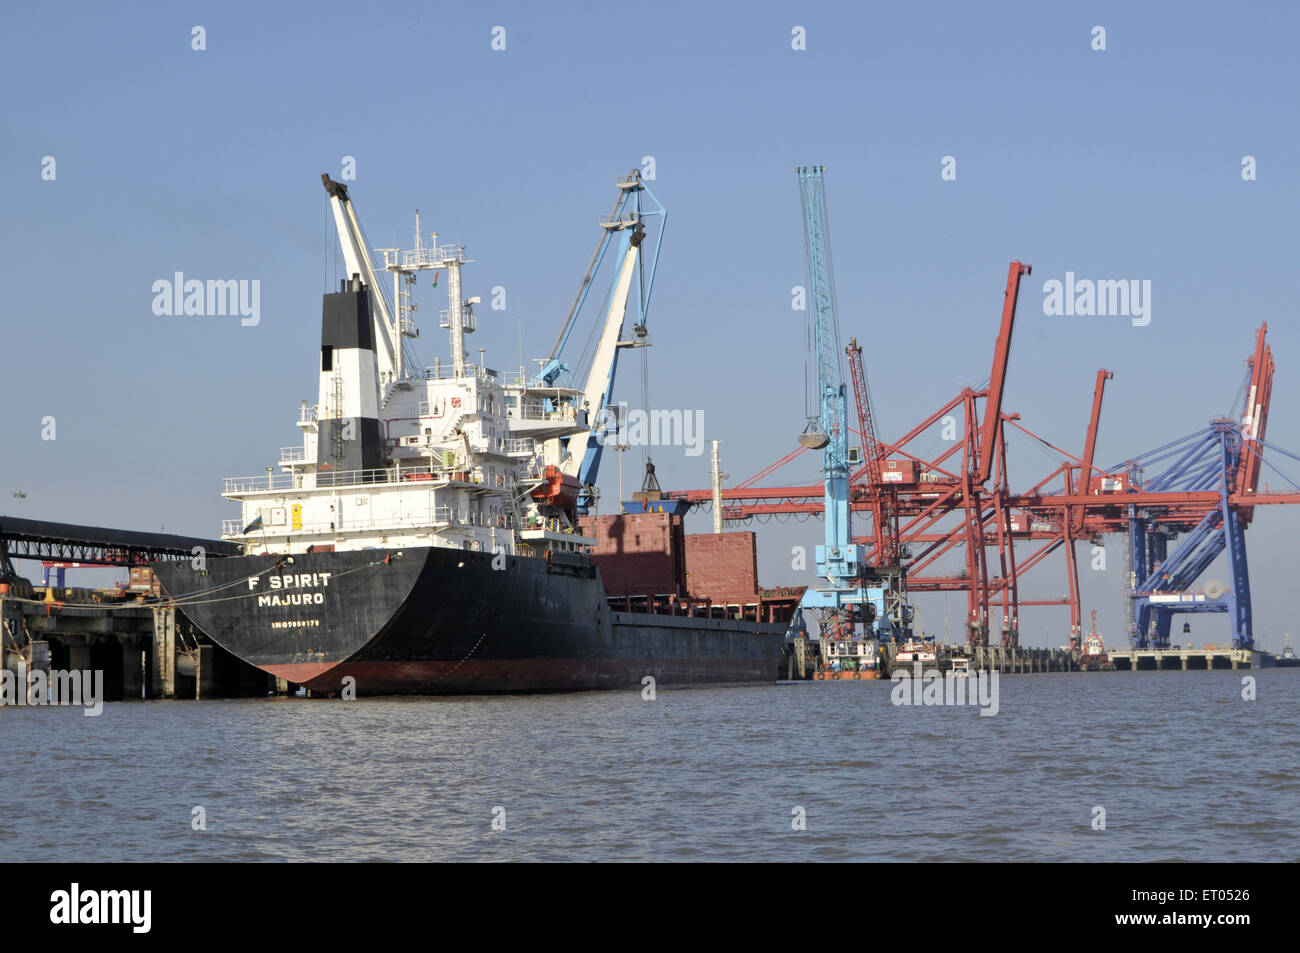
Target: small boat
[848,660]
[960,668]
[913,651]
[1288,657]
[1094,657]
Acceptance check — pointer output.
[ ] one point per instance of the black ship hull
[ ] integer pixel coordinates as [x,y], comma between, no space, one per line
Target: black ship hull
[431,620]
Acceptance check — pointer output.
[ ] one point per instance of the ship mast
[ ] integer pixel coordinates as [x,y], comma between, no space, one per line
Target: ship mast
[459,316]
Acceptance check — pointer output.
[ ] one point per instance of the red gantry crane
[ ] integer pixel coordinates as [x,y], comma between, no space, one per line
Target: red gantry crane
[925,511]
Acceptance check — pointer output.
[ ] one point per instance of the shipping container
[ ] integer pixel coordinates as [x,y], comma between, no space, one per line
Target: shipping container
[898,471]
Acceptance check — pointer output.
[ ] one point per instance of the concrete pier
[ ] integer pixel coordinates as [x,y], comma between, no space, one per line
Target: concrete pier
[143,648]
[805,655]
[1188,659]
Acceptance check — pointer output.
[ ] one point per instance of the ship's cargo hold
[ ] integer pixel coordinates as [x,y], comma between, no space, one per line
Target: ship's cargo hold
[722,567]
[639,554]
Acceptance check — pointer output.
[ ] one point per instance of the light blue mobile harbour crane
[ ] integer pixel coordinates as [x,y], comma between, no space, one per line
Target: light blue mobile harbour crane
[843,596]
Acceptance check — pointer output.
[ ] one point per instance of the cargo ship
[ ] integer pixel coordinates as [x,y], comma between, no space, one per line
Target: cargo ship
[435,531]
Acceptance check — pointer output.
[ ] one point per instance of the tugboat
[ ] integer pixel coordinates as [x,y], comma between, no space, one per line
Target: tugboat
[1288,657]
[916,650]
[1095,657]
[849,659]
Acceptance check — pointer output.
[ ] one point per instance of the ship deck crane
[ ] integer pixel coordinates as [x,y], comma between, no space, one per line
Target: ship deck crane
[356,258]
[625,228]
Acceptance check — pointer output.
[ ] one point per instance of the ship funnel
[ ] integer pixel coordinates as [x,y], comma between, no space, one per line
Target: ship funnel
[349,437]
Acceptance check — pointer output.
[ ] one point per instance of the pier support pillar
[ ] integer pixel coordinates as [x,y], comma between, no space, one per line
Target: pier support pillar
[132,676]
[164,653]
[205,673]
[40,656]
[79,657]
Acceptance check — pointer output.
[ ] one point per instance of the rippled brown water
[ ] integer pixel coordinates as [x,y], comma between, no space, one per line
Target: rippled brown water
[1184,768]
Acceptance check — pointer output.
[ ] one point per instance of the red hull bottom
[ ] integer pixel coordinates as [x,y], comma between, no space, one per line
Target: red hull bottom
[519,675]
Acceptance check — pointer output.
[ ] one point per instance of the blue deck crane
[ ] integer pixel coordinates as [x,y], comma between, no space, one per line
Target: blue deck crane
[625,229]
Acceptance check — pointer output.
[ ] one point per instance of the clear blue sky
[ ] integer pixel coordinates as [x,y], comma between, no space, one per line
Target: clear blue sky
[1117,164]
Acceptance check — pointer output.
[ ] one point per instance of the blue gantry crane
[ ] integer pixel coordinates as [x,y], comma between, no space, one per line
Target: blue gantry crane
[1226,458]
[1163,580]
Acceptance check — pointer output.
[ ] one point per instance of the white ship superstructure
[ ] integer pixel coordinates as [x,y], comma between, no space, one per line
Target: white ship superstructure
[453,456]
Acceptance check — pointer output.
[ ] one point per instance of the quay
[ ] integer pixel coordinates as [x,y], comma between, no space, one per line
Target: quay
[145,647]
[803,656]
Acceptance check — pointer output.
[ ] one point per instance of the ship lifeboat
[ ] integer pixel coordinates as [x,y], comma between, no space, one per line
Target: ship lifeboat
[557,489]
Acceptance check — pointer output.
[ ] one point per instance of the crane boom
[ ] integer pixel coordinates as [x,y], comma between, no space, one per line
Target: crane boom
[625,228]
[833,411]
[1254,416]
[356,256]
[839,562]
[583,449]
[998,379]
[884,499]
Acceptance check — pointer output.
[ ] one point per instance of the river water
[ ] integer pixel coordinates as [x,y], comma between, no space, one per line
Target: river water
[1181,765]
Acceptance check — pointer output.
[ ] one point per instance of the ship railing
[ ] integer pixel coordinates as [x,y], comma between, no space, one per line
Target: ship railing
[468,321]
[324,478]
[410,521]
[448,515]
[423,257]
[535,410]
[446,372]
[293,454]
[457,516]
[520,445]
[268,482]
